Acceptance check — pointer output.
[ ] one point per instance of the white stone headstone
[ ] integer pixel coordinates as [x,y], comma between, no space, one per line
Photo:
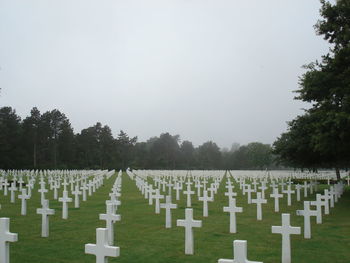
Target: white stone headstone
[168,206]
[23,198]
[45,211]
[205,199]
[189,223]
[307,213]
[239,253]
[65,200]
[101,249]
[189,192]
[233,209]
[259,201]
[276,196]
[5,237]
[110,217]
[286,230]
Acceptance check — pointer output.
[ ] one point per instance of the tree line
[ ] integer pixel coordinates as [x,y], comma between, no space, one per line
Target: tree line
[320,138]
[47,141]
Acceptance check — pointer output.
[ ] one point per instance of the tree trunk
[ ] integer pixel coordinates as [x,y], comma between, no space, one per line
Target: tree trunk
[337,172]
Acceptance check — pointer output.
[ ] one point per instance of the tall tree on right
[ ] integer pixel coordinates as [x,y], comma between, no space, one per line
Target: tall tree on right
[326,85]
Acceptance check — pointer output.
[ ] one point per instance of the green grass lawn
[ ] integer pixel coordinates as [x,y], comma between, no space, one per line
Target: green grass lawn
[142,237]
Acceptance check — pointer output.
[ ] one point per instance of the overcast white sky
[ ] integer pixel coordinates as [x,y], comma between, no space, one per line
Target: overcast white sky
[221,70]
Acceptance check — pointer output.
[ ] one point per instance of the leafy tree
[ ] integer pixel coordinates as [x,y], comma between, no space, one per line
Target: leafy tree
[125,146]
[11,153]
[326,85]
[164,151]
[187,155]
[30,128]
[208,156]
[66,145]
[51,126]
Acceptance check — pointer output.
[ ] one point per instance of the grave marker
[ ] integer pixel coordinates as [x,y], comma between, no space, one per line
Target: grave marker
[101,249]
[45,211]
[189,223]
[286,230]
[5,237]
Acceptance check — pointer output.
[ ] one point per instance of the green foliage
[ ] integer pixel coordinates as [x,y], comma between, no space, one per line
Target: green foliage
[251,156]
[10,127]
[208,156]
[47,141]
[320,138]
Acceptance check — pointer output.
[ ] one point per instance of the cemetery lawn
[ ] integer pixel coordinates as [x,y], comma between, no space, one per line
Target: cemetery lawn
[142,237]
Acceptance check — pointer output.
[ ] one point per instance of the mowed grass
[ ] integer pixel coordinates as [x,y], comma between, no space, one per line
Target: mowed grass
[142,237]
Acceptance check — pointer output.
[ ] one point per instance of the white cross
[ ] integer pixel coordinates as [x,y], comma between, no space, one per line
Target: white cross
[168,206]
[282,184]
[188,192]
[177,188]
[157,196]
[212,189]
[286,230]
[5,184]
[332,195]
[65,199]
[205,200]
[255,183]
[230,194]
[45,211]
[150,195]
[5,237]
[114,202]
[307,213]
[169,185]
[233,209]
[20,181]
[298,188]
[55,187]
[289,193]
[76,194]
[189,223]
[318,203]
[326,198]
[42,191]
[24,198]
[198,186]
[65,183]
[276,196]
[146,190]
[110,217]
[263,188]
[84,188]
[12,189]
[90,185]
[101,249]
[239,253]
[258,201]
[249,190]
[306,186]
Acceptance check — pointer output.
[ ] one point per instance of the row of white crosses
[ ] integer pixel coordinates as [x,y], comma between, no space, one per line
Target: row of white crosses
[45,211]
[104,246]
[55,183]
[165,184]
[286,230]
[260,199]
[154,194]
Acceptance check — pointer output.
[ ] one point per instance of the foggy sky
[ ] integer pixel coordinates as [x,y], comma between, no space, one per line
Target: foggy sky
[221,70]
